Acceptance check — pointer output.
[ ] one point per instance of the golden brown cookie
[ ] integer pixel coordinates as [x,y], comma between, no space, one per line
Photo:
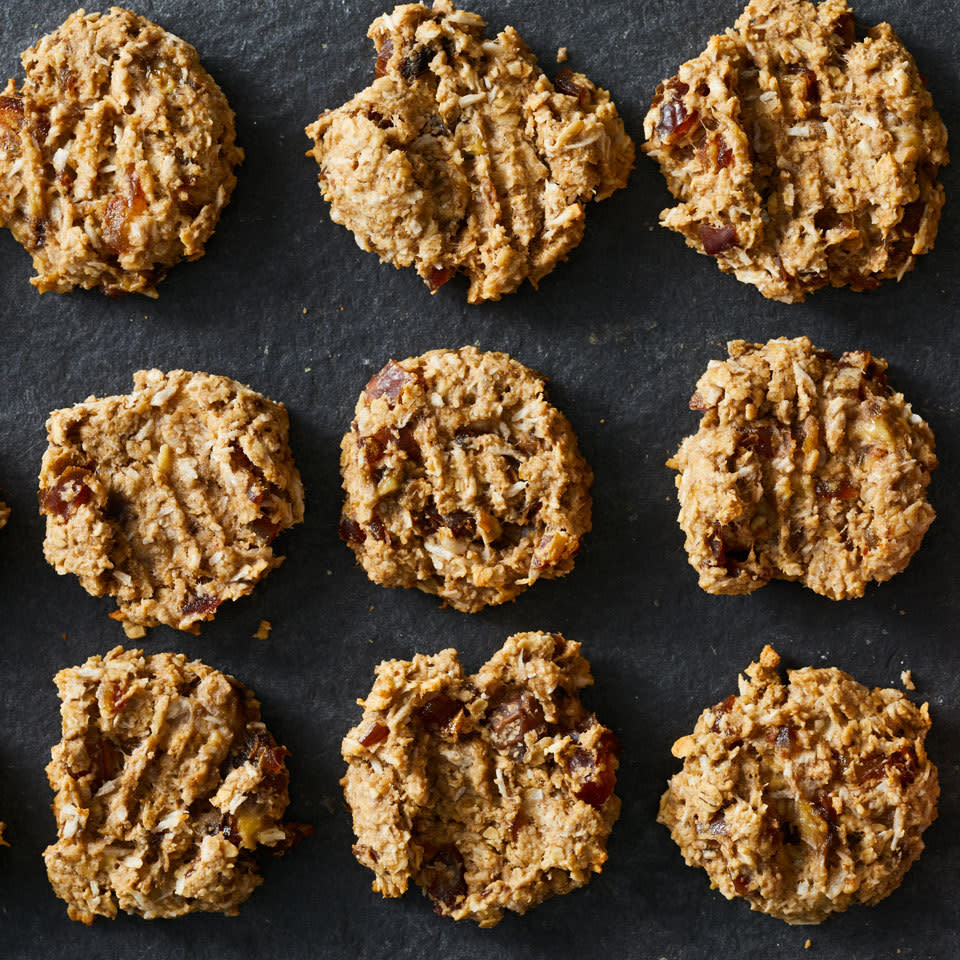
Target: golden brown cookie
[116,154]
[462,480]
[491,792]
[801,156]
[462,157]
[167,783]
[169,498]
[804,468]
[803,798]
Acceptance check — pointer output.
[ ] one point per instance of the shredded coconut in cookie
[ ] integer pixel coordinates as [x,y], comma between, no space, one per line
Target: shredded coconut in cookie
[166,784]
[492,792]
[116,154]
[462,157]
[802,156]
[169,498]
[462,480]
[804,468]
[803,798]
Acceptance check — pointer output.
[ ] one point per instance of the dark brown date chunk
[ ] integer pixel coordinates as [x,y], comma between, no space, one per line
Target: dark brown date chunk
[389,382]
[383,57]
[511,716]
[566,85]
[594,772]
[376,734]
[717,240]
[350,531]
[438,711]
[200,603]
[68,493]
[443,876]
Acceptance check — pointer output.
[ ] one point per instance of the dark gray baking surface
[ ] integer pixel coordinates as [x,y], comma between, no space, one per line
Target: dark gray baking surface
[623,330]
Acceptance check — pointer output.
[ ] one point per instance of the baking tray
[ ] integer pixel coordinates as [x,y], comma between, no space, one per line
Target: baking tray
[284,300]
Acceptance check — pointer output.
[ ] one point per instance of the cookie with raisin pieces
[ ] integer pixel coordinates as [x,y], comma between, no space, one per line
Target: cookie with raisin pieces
[804,797]
[463,157]
[462,480]
[491,792]
[804,468]
[167,784]
[169,498]
[117,154]
[801,156]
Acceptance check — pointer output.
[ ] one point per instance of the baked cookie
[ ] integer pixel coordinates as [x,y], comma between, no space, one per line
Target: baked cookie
[801,156]
[167,783]
[169,498]
[491,792]
[116,154]
[804,468]
[803,798]
[462,480]
[463,157]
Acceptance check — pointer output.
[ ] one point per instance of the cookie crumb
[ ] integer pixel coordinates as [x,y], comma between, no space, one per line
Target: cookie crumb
[906,679]
[133,631]
[561,54]
[263,631]
[808,944]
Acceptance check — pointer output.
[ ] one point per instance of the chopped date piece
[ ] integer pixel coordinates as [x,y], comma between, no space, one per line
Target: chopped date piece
[266,528]
[565,84]
[200,603]
[901,764]
[912,215]
[383,57]
[511,716]
[836,491]
[724,707]
[377,530]
[845,28]
[461,524]
[68,493]
[121,209]
[675,123]
[416,63]
[428,521]
[717,240]
[438,276]
[718,547]
[11,112]
[389,382]
[375,445]
[408,444]
[741,883]
[724,152]
[350,531]
[760,440]
[594,772]
[811,91]
[517,824]
[376,734]
[444,876]
[438,711]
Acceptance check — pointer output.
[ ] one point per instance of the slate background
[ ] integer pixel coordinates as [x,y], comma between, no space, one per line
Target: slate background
[285,301]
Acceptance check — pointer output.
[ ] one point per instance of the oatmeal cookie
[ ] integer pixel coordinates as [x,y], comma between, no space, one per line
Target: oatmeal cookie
[491,792]
[804,468]
[806,797]
[463,157]
[462,480]
[167,784]
[801,156]
[116,154]
[169,498]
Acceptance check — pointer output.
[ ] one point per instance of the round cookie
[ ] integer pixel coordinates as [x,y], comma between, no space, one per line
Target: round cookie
[804,468]
[116,155]
[169,498]
[800,155]
[803,798]
[167,783]
[463,157]
[462,480]
[491,792]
